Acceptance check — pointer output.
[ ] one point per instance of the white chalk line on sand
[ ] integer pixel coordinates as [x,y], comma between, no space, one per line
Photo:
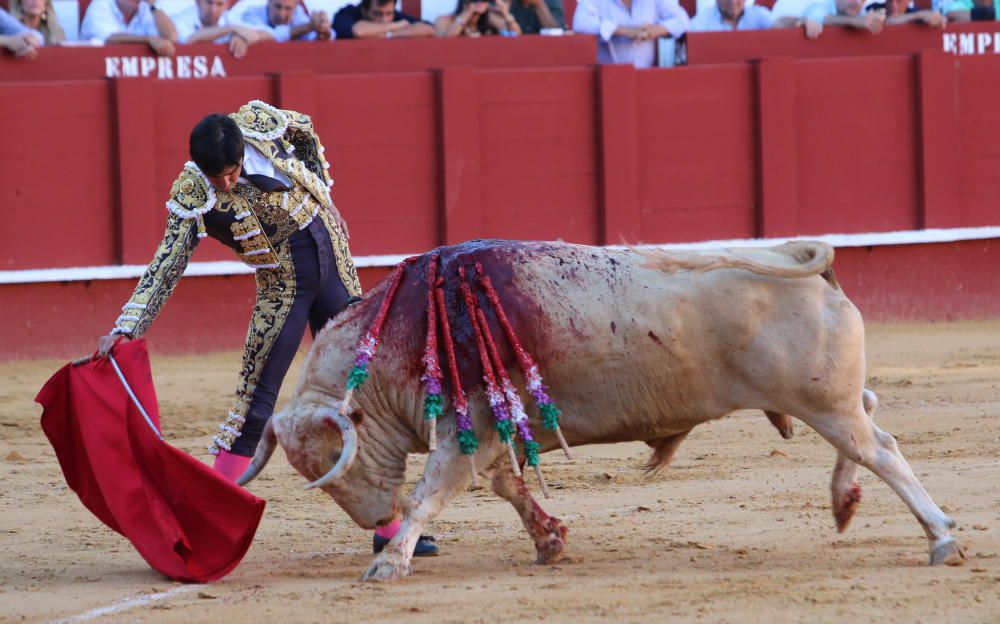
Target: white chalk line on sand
[231,267]
[126,604]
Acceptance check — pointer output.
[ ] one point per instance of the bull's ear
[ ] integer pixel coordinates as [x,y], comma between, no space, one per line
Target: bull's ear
[356,415]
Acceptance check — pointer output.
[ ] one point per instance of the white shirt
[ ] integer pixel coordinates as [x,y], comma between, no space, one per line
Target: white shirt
[256,163]
[710,19]
[603,17]
[798,9]
[188,22]
[255,16]
[104,19]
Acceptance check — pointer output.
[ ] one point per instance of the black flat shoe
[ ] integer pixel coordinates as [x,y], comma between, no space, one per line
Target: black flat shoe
[425,545]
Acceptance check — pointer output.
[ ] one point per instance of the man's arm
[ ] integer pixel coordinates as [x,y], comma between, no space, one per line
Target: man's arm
[164,26]
[928,17]
[23,45]
[872,22]
[319,23]
[546,17]
[159,45]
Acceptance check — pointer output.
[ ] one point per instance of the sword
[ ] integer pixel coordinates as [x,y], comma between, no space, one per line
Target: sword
[135,400]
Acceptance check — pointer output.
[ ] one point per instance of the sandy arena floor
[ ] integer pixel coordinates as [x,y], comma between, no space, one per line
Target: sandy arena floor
[737,530]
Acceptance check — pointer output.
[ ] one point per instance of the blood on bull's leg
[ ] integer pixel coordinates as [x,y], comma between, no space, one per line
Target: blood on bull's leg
[844,490]
[547,531]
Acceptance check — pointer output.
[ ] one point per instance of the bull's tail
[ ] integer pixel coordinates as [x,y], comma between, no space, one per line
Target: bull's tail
[793,259]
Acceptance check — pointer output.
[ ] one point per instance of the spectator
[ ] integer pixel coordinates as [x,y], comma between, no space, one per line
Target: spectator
[845,13]
[17,38]
[534,15]
[129,21]
[39,16]
[286,20]
[732,15]
[378,19]
[208,20]
[473,18]
[900,12]
[792,13]
[966,10]
[627,34]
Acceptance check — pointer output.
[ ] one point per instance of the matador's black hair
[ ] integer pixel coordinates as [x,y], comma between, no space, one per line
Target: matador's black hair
[216,144]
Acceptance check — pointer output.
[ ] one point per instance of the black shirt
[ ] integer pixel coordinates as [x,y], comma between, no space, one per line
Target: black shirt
[347,17]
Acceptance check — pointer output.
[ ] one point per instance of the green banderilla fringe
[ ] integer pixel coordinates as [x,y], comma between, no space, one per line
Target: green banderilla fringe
[433,406]
[357,376]
[506,429]
[467,441]
[550,415]
[531,452]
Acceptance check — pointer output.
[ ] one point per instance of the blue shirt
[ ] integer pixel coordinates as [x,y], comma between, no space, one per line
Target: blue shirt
[603,17]
[710,19]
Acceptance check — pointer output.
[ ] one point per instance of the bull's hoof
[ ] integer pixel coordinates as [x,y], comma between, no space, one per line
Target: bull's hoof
[385,569]
[550,546]
[947,552]
[845,505]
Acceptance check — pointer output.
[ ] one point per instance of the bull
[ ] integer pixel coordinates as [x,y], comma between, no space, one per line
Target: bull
[633,345]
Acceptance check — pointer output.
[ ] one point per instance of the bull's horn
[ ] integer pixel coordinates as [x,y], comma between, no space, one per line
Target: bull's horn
[348,451]
[262,455]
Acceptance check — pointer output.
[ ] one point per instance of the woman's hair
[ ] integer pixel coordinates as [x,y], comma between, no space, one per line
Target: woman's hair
[483,23]
[216,144]
[49,27]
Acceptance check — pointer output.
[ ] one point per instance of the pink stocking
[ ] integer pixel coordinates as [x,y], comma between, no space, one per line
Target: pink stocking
[232,466]
[388,531]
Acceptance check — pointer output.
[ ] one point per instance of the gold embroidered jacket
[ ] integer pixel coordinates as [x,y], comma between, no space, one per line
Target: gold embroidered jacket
[250,221]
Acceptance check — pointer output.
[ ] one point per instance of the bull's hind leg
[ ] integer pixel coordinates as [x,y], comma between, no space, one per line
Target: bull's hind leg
[547,531]
[858,438]
[845,491]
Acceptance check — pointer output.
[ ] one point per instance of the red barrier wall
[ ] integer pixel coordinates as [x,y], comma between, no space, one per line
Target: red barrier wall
[966,39]
[587,154]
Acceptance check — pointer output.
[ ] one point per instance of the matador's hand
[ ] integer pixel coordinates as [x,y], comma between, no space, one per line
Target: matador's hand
[340,221]
[106,343]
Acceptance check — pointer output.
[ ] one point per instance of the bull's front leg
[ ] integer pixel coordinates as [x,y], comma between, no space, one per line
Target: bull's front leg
[546,531]
[445,475]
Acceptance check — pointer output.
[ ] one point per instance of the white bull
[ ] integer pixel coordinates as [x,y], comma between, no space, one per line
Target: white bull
[634,346]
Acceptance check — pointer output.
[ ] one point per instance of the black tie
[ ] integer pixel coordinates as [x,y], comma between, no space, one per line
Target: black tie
[264,183]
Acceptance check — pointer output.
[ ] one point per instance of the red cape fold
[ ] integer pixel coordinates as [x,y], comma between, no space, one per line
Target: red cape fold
[187,522]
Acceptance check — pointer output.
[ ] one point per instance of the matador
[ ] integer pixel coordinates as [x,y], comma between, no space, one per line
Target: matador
[259,183]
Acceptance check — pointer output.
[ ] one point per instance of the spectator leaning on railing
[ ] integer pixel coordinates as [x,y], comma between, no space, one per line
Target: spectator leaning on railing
[731,15]
[627,30]
[208,21]
[900,12]
[789,13]
[378,19]
[831,13]
[473,18]
[284,20]
[17,38]
[129,21]
[534,15]
[966,10]
[39,16]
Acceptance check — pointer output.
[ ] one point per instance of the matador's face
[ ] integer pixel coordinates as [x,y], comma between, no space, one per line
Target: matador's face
[226,180]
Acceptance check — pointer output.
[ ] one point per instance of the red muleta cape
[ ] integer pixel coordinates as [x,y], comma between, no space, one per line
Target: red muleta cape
[187,522]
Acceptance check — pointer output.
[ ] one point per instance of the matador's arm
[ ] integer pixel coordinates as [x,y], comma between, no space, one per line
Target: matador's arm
[191,197]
